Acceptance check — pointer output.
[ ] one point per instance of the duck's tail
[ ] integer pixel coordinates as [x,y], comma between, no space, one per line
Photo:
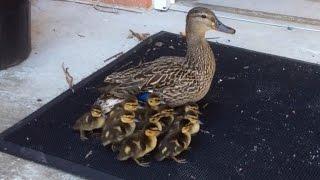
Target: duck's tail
[106,104]
[161,153]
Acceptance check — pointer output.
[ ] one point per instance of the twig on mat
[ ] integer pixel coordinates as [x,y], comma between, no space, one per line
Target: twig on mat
[139,36]
[69,78]
[114,56]
[88,154]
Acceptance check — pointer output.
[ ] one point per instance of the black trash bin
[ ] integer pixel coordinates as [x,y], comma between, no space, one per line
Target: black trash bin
[15,35]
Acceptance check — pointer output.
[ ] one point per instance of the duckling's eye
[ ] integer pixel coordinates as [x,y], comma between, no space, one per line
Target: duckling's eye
[203,16]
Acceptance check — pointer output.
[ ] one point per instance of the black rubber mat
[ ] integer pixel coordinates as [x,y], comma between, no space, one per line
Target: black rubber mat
[261,121]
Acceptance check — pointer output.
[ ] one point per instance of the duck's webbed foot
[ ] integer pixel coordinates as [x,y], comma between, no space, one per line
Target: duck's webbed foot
[143,164]
[180,161]
[83,136]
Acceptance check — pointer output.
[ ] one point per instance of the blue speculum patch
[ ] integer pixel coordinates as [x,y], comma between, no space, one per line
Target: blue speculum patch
[143,96]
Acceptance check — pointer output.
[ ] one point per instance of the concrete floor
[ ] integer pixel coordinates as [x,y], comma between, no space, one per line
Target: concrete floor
[82,38]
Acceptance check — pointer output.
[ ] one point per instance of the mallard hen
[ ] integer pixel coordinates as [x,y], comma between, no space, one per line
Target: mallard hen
[177,80]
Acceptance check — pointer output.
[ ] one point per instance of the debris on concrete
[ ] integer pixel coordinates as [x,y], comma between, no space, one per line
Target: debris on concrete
[69,78]
[82,36]
[139,36]
[96,6]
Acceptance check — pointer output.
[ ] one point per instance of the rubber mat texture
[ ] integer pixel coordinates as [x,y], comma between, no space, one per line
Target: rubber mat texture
[261,121]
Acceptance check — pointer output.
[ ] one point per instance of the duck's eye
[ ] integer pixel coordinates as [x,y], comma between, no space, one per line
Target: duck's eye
[203,16]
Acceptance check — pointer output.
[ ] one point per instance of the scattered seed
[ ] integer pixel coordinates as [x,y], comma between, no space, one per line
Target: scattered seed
[159,44]
[171,47]
[88,154]
[246,67]
[205,105]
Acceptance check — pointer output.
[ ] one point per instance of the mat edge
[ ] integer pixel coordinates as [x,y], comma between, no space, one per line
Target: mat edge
[15,149]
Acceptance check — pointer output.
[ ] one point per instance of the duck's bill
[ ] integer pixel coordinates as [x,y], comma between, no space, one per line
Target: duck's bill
[156,132]
[223,28]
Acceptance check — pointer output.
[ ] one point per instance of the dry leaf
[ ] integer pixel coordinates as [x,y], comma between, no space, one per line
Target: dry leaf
[139,36]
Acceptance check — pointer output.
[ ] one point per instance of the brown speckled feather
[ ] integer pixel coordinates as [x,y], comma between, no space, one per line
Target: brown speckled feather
[175,79]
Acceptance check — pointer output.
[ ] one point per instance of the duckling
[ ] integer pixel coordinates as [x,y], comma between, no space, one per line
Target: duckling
[89,121]
[140,144]
[130,104]
[192,107]
[152,106]
[149,106]
[96,118]
[194,121]
[116,130]
[177,80]
[176,141]
[180,112]
[165,118]
[108,102]
[153,101]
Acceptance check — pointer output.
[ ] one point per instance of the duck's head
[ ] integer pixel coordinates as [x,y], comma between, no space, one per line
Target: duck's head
[192,117]
[187,128]
[127,117]
[154,100]
[192,107]
[153,129]
[166,113]
[155,118]
[96,111]
[131,104]
[200,20]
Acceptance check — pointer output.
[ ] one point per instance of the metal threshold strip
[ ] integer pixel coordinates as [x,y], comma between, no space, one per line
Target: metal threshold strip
[259,14]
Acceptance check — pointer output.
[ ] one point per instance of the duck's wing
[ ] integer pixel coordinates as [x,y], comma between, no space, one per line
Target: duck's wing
[149,74]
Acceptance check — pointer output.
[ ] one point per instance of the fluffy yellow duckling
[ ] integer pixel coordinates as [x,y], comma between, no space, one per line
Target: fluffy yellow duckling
[176,141]
[139,144]
[116,130]
[89,121]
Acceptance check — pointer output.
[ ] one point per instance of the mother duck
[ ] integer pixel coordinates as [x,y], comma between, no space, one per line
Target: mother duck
[177,80]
